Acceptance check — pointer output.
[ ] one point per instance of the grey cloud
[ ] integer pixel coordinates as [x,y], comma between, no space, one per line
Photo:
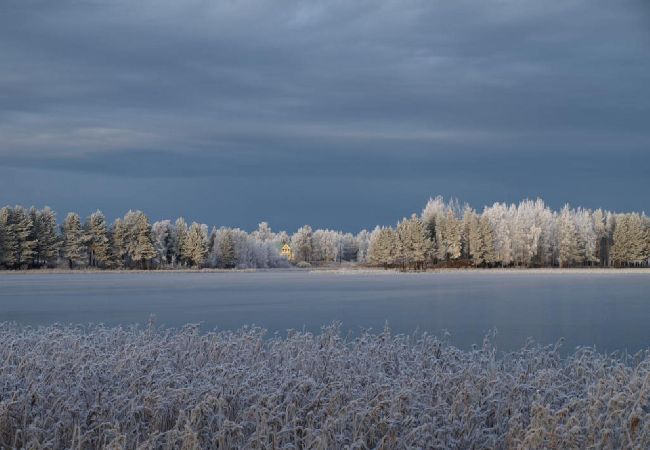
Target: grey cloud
[366,89]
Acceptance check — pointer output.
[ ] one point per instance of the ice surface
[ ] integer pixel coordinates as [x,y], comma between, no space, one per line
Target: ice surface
[610,310]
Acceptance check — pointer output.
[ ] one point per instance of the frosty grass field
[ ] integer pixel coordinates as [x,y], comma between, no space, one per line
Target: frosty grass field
[151,386]
[97,387]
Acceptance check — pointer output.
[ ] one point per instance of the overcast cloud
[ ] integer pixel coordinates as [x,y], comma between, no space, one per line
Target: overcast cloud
[340,113]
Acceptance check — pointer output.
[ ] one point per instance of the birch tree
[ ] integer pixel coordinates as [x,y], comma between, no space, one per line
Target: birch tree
[302,245]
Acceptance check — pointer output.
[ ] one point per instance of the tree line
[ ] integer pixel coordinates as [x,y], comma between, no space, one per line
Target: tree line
[528,234]
[31,238]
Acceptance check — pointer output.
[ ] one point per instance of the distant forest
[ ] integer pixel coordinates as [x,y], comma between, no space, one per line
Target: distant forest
[445,234]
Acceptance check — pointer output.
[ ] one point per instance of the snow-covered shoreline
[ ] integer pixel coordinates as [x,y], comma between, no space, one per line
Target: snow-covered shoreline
[348,271]
[554,271]
[97,387]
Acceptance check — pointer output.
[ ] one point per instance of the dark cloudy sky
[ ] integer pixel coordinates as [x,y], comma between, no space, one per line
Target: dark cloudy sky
[337,113]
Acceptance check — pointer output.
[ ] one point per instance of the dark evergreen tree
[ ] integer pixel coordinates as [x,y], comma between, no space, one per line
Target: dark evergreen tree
[8,239]
[24,229]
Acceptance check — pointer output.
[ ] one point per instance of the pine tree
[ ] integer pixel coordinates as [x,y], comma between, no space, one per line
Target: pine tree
[97,241]
[414,248]
[622,236]
[212,244]
[448,236]
[48,242]
[163,241]
[73,249]
[600,227]
[383,247]
[24,229]
[432,216]
[196,245]
[363,243]
[646,239]
[569,251]
[8,239]
[468,215]
[421,246]
[486,232]
[179,244]
[118,244]
[228,255]
[142,250]
[402,253]
[475,244]
[34,216]
[630,240]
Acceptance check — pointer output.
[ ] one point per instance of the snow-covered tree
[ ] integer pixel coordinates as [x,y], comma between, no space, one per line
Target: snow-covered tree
[630,240]
[302,245]
[179,242]
[602,236]
[196,245]
[282,238]
[97,241]
[413,246]
[474,240]
[349,247]
[363,242]
[527,234]
[432,215]
[8,239]
[569,246]
[486,253]
[263,232]
[46,236]
[500,217]
[141,249]
[234,248]
[162,235]
[587,235]
[383,247]
[24,231]
[227,247]
[449,231]
[326,246]
[118,240]
[73,241]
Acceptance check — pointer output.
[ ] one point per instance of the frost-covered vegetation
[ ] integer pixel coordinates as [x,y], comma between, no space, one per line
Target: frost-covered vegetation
[529,234]
[97,387]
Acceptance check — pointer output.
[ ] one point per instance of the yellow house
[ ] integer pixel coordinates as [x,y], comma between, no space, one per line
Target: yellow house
[286,251]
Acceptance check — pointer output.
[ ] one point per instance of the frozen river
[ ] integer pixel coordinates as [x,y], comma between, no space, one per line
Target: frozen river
[610,311]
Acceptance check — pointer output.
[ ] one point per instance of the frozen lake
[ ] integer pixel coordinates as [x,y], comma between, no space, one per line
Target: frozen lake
[608,310]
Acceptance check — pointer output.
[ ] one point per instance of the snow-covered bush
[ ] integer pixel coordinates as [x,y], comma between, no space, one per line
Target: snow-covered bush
[97,387]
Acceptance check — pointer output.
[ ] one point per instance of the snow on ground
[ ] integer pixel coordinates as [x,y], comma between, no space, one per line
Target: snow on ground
[503,271]
[98,387]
